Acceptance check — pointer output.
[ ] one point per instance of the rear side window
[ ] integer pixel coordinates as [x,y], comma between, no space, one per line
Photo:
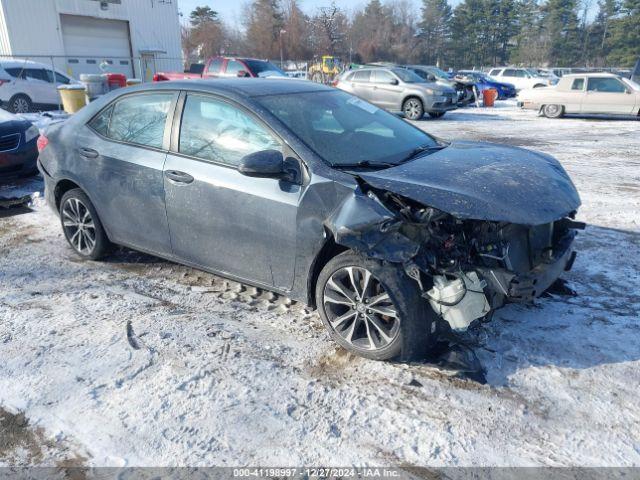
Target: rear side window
[607,85]
[509,72]
[137,119]
[215,66]
[218,131]
[578,84]
[362,76]
[494,72]
[233,67]
[16,72]
[100,122]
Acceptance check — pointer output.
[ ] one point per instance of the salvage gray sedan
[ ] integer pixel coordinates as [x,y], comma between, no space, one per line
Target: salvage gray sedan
[305,190]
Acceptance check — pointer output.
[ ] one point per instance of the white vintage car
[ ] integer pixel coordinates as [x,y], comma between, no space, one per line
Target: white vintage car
[602,93]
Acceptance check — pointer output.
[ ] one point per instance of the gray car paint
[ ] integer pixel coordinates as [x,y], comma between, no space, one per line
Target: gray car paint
[275,232]
[392,97]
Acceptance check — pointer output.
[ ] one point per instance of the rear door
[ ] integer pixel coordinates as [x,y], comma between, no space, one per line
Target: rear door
[121,155]
[214,68]
[220,219]
[607,95]
[361,85]
[39,88]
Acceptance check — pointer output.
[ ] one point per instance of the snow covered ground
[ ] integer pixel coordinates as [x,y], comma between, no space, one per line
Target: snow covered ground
[137,361]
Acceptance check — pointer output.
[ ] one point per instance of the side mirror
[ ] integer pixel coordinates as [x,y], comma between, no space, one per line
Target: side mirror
[243,74]
[394,82]
[264,164]
[431,77]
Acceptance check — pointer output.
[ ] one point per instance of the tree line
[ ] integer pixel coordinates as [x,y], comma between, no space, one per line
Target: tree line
[563,33]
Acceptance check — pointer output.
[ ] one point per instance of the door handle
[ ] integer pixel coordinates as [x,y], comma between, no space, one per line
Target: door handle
[178,177]
[89,153]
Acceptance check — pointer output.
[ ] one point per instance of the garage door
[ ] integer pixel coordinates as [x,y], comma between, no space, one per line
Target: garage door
[90,42]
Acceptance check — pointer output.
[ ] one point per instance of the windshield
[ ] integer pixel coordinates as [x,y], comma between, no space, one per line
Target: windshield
[634,86]
[439,73]
[407,76]
[264,69]
[344,130]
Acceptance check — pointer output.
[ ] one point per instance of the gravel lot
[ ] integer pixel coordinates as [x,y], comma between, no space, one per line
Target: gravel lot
[137,361]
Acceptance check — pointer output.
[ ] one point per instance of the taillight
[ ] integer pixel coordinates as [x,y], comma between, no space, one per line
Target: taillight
[42,142]
[335,83]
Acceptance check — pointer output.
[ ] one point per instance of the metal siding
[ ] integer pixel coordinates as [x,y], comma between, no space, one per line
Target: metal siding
[33,26]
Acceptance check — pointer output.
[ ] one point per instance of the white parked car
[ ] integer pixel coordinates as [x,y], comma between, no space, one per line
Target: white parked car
[521,78]
[27,86]
[603,93]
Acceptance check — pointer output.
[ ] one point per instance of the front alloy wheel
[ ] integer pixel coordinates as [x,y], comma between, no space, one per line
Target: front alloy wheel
[360,310]
[413,109]
[373,309]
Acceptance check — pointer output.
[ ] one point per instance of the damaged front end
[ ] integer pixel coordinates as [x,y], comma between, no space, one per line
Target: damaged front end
[465,268]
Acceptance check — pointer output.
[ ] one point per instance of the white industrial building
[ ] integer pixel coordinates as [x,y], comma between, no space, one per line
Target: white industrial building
[133,37]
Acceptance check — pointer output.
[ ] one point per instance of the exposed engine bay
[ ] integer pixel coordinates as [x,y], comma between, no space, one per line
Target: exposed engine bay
[465,268]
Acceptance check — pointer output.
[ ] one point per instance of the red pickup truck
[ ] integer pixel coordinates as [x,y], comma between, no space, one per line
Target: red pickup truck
[225,67]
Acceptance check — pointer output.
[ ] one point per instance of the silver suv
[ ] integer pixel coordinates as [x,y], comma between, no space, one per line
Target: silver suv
[399,90]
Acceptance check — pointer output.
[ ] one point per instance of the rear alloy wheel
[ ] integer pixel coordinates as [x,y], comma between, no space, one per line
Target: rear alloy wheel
[20,104]
[413,109]
[81,225]
[553,111]
[373,309]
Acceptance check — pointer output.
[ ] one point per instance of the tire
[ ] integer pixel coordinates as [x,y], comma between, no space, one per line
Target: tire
[317,77]
[436,114]
[538,85]
[76,209]
[20,104]
[413,108]
[553,111]
[354,323]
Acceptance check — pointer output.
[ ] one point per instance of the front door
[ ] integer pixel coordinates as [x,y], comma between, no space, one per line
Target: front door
[386,90]
[607,95]
[220,219]
[123,151]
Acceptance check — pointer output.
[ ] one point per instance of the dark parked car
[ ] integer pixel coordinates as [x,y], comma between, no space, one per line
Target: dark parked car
[316,194]
[18,150]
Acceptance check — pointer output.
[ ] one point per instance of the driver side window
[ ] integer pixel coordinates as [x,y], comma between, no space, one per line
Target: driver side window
[217,131]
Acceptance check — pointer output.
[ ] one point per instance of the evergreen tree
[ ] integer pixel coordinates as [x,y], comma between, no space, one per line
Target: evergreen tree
[435,30]
[561,27]
[625,35]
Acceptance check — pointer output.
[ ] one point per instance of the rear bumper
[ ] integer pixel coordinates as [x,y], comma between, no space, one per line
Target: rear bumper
[49,187]
[526,105]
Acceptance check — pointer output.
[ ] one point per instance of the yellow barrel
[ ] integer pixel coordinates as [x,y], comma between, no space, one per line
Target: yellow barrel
[73,97]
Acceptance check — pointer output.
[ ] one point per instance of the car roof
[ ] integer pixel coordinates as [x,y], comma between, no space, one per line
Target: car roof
[246,87]
[22,63]
[592,74]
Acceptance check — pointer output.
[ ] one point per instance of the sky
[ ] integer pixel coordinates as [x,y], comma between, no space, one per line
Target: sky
[231,10]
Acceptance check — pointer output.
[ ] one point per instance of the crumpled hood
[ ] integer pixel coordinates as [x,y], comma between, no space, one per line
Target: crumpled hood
[484,181]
